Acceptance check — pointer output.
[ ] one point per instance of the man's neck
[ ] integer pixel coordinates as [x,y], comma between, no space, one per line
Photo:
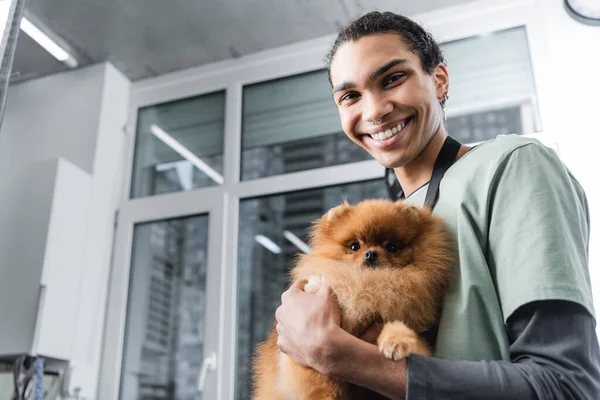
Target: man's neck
[418,172]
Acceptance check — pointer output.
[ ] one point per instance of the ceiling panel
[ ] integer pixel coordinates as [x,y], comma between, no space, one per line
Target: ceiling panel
[145,38]
[31,60]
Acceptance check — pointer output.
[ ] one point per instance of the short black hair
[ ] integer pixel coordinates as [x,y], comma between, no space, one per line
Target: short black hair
[418,40]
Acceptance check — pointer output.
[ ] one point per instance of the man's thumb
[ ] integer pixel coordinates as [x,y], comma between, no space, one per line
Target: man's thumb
[314,284]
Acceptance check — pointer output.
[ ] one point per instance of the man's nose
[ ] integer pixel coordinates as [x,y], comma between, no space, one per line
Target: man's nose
[376,107]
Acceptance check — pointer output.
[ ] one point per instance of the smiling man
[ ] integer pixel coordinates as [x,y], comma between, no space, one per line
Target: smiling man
[518,320]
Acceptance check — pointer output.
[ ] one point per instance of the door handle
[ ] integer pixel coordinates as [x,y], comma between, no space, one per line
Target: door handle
[209,363]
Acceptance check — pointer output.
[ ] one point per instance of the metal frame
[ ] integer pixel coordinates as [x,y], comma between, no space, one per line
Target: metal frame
[222,202]
[11,13]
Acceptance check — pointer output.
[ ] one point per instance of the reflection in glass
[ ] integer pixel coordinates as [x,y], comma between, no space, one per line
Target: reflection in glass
[477,127]
[492,90]
[272,230]
[164,337]
[179,146]
[292,124]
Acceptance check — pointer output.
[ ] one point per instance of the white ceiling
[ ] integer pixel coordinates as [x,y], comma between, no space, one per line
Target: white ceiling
[145,38]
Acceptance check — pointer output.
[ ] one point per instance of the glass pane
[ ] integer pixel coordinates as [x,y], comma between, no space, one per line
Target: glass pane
[477,127]
[292,124]
[179,146]
[269,227]
[164,336]
[492,89]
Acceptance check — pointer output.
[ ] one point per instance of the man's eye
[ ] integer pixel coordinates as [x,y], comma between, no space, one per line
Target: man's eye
[393,79]
[355,246]
[348,96]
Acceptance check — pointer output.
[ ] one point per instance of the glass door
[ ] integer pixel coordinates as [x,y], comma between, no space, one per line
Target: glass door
[162,337]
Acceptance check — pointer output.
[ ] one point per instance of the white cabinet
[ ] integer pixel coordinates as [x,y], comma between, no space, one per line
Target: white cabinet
[44,219]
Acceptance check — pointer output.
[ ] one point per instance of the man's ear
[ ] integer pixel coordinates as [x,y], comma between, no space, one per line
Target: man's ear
[441,80]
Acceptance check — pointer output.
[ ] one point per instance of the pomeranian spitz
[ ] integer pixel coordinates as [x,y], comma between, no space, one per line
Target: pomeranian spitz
[386,262]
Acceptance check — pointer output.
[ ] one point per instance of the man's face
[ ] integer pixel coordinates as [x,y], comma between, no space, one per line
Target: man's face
[378,78]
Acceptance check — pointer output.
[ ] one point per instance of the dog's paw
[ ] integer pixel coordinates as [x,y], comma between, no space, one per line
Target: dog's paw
[397,340]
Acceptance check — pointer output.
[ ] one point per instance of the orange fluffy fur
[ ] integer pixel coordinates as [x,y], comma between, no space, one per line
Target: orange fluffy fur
[404,289]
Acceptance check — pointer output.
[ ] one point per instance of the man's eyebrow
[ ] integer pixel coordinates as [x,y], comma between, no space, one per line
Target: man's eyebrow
[374,75]
[343,86]
[386,67]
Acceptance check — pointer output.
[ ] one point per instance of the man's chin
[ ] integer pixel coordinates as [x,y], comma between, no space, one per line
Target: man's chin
[390,162]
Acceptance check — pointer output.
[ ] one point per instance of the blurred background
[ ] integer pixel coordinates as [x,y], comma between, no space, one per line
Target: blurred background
[160,163]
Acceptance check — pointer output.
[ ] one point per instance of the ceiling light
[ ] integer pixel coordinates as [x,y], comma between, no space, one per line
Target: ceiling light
[268,244]
[295,240]
[183,169]
[48,44]
[185,153]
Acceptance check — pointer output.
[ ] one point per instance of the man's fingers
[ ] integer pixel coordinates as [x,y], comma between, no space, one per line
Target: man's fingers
[297,286]
[313,285]
[324,289]
[280,343]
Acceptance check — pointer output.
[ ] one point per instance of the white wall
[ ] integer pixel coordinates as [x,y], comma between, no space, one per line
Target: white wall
[51,117]
[572,100]
[77,116]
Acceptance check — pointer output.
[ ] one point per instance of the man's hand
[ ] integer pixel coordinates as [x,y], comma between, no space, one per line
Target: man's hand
[308,326]
[371,334]
[306,323]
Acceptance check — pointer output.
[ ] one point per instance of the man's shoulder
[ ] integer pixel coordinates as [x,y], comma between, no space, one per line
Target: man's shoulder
[503,158]
[494,152]
[504,145]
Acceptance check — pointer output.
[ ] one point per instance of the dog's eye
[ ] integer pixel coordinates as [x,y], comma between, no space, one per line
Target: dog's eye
[391,248]
[355,246]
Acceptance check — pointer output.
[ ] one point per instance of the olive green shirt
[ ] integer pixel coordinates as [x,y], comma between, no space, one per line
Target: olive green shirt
[520,223]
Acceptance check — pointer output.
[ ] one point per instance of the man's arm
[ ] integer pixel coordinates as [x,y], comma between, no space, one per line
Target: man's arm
[554,355]
[356,361]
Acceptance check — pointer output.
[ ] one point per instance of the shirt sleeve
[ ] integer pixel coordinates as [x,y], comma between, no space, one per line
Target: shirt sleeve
[538,231]
[554,354]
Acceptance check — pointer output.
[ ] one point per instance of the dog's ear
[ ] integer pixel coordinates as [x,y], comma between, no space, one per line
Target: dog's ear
[322,226]
[338,211]
[413,211]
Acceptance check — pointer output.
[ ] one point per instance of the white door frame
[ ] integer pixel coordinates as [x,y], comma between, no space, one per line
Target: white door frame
[141,211]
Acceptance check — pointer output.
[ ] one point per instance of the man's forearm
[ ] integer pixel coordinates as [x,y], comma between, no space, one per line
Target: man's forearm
[361,363]
[554,354]
[431,378]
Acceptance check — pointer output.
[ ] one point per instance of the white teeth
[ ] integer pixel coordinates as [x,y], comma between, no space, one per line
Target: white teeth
[389,132]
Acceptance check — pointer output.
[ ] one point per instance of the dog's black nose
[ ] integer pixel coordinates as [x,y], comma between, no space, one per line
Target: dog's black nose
[371,257]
